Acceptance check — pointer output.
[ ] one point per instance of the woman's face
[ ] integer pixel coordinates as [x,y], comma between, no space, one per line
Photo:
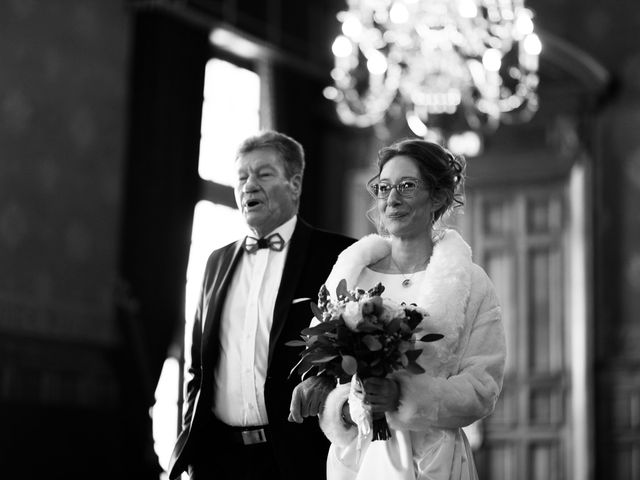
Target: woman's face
[405,216]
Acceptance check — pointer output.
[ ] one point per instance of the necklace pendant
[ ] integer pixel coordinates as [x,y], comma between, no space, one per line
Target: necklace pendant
[406,282]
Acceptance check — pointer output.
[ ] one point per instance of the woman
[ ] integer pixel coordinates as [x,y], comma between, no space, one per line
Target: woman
[416,186]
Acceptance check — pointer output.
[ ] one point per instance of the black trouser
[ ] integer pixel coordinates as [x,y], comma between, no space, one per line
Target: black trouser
[223,456]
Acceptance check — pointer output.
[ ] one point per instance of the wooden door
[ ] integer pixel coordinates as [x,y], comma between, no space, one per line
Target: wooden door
[518,235]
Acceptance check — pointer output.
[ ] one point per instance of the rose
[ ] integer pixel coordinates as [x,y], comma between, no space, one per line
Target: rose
[352,315]
[390,311]
[372,306]
[363,313]
[371,309]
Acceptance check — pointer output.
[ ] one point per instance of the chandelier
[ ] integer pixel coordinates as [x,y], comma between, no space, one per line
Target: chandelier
[447,65]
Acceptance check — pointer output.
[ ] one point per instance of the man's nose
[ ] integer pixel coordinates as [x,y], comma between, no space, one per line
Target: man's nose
[251,185]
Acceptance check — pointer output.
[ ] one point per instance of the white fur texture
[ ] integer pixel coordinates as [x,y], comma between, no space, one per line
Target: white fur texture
[454,292]
[331,421]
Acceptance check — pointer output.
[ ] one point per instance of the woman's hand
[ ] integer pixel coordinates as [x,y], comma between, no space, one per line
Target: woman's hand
[381,394]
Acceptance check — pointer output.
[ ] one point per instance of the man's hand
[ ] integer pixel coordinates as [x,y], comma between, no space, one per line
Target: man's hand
[308,397]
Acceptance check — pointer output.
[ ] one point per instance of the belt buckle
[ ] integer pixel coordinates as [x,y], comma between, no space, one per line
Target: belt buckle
[251,437]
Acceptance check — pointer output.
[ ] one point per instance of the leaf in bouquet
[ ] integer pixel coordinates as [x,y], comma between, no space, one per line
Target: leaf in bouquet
[412,355]
[344,334]
[404,346]
[376,291]
[349,364]
[413,318]
[342,291]
[377,371]
[404,326]
[302,367]
[324,359]
[314,348]
[316,311]
[296,343]
[414,368]
[372,343]
[431,337]
[394,325]
[323,296]
[320,356]
[320,328]
[324,339]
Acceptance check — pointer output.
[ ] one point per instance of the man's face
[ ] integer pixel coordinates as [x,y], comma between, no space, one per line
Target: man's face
[263,193]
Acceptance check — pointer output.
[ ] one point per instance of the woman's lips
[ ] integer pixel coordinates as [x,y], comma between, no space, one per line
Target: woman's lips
[396,214]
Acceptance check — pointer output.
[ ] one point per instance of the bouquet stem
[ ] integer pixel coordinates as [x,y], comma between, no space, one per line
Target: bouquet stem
[381,429]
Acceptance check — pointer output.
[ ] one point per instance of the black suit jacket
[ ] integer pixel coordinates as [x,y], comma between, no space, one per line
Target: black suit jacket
[300,449]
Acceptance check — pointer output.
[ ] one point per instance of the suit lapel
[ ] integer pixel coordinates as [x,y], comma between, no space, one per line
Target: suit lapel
[296,257]
[218,293]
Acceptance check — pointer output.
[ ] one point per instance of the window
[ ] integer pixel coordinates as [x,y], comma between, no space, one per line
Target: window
[230,113]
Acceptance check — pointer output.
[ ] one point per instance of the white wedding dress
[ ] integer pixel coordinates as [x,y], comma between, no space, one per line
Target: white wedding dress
[463,375]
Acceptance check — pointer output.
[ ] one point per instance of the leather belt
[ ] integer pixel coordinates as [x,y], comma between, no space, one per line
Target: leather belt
[242,435]
[250,436]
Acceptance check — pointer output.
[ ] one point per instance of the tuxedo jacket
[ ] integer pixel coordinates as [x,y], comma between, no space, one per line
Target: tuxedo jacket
[300,449]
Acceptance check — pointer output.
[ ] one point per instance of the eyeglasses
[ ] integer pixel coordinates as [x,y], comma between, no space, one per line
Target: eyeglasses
[407,188]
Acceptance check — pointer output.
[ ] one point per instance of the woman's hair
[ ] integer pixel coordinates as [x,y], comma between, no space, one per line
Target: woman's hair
[442,171]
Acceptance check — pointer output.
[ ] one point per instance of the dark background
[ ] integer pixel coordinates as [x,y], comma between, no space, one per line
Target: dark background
[99,127]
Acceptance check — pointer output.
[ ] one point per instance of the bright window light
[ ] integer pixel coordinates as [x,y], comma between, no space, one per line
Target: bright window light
[214,226]
[230,113]
[165,411]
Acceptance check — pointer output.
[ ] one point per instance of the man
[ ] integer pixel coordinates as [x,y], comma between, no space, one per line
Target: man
[255,298]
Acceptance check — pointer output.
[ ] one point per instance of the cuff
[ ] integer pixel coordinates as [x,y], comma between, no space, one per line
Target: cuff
[331,421]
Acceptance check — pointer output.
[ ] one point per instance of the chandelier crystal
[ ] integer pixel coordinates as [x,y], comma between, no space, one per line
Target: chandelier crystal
[438,60]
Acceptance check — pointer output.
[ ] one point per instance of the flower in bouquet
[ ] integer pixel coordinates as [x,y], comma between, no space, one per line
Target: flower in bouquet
[362,333]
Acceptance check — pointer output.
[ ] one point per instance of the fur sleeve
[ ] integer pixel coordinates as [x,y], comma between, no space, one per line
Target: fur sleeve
[471,393]
[331,421]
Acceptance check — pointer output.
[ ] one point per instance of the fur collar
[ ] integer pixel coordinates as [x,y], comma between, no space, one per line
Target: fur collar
[445,288]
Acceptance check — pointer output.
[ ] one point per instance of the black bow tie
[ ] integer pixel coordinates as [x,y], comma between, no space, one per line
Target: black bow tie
[273,241]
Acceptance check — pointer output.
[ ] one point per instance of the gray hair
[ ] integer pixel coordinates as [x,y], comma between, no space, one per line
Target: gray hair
[290,151]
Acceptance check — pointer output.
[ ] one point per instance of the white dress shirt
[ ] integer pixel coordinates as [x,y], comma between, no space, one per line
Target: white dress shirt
[247,316]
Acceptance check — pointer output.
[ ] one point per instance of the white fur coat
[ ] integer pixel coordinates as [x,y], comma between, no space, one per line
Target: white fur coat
[463,371]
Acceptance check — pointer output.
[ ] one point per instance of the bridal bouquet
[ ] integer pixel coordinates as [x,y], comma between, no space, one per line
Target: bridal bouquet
[361,333]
